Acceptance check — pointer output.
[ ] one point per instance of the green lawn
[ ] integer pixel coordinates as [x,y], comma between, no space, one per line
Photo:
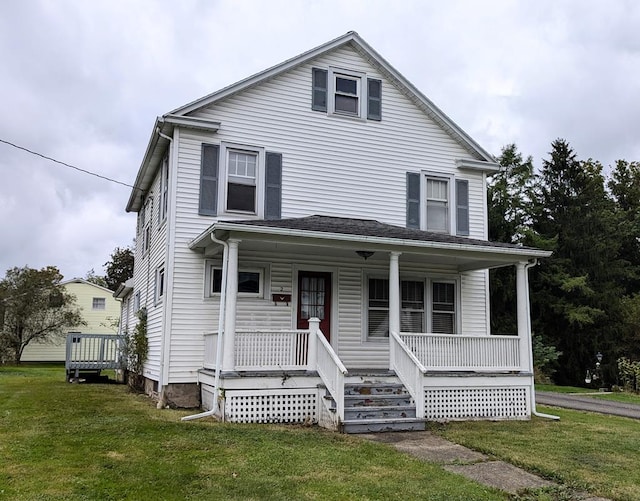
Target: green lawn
[98,441]
[583,450]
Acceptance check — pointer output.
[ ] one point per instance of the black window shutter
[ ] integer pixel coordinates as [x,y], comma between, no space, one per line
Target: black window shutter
[273,186]
[209,180]
[319,90]
[462,207]
[413,200]
[374,99]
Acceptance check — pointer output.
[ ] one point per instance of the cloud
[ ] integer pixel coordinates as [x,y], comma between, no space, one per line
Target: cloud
[84,81]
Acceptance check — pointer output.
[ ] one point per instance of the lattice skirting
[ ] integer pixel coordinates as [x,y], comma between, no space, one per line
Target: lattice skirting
[272,406]
[443,404]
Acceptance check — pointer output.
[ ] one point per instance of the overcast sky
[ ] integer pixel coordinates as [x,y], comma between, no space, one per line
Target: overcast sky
[82,81]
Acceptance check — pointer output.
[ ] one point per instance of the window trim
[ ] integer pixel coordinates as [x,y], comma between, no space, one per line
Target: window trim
[263,269]
[160,285]
[360,79]
[450,180]
[223,176]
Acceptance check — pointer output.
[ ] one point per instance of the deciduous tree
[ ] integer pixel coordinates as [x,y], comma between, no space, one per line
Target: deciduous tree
[34,307]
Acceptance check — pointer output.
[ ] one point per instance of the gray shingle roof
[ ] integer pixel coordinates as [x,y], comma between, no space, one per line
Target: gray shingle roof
[369,228]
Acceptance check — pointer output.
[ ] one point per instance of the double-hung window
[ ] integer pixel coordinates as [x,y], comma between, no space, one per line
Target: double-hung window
[163,198]
[437,203]
[425,306]
[346,93]
[241,181]
[443,307]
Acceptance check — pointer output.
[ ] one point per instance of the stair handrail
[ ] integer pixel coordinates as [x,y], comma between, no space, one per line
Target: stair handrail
[411,372]
[332,375]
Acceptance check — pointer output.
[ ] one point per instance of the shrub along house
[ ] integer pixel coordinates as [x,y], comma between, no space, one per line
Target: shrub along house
[312,247]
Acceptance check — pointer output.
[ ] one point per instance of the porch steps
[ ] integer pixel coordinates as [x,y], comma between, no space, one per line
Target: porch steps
[374,407]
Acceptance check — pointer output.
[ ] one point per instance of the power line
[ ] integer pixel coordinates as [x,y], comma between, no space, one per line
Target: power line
[66,164]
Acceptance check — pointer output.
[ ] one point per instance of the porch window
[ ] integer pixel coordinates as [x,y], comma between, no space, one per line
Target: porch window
[412,313]
[378,308]
[443,306]
[250,281]
[439,318]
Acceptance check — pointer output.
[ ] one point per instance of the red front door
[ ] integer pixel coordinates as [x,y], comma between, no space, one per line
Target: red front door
[314,300]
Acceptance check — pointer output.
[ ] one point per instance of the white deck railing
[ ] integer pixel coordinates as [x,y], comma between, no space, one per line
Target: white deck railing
[453,352]
[408,369]
[93,352]
[332,371]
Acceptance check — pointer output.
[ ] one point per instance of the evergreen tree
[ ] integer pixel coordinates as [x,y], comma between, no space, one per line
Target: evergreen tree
[575,293]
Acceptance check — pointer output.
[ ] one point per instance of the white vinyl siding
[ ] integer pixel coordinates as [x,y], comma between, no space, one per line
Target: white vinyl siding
[318,176]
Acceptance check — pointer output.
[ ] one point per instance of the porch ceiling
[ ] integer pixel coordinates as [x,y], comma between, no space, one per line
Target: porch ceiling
[341,237]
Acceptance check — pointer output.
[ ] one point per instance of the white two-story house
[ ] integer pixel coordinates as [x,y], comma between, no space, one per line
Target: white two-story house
[312,247]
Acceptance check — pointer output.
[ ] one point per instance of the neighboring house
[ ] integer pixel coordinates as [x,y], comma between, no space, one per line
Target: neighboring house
[99,310]
[312,240]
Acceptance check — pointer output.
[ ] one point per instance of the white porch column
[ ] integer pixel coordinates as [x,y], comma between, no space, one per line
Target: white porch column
[524,319]
[229,356]
[394,292]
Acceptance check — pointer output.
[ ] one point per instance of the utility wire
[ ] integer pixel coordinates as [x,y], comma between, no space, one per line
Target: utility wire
[67,165]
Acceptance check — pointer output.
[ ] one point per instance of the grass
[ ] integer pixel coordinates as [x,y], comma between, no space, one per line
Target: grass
[98,441]
[583,450]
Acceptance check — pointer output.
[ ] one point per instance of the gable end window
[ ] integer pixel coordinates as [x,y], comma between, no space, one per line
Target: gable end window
[346,93]
[99,303]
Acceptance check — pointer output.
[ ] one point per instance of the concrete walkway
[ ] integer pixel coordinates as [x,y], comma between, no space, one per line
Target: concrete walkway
[584,402]
[471,464]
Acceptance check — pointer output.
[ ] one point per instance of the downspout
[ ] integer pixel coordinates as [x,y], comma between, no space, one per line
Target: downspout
[168,301]
[215,410]
[534,411]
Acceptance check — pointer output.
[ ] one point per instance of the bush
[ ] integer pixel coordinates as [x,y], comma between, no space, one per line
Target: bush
[629,374]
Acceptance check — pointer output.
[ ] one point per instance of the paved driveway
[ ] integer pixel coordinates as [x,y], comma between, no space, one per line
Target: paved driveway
[587,403]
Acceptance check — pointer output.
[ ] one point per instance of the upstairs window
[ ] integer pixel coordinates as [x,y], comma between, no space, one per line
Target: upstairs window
[346,93]
[437,205]
[241,182]
[99,303]
[160,284]
[163,198]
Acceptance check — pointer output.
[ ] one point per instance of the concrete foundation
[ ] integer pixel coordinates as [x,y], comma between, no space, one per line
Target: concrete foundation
[182,395]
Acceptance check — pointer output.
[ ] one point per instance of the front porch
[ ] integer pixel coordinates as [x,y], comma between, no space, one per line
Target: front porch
[295,376]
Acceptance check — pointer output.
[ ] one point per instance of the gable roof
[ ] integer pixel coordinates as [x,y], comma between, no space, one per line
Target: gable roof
[86,282]
[364,49]
[179,116]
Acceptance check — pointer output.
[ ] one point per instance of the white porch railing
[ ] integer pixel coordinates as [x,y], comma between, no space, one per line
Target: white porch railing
[332,372]
[263,350]
[408,369]
[453,352]
[210,350]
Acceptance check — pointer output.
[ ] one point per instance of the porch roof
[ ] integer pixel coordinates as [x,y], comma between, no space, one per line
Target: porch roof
[367,234]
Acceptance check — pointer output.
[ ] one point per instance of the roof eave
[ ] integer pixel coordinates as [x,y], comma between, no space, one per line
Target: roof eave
[203,240]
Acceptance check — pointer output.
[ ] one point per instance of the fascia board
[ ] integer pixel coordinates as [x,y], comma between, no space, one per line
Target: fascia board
[488,167]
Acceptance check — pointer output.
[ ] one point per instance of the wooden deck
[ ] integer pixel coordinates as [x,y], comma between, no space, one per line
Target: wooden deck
[93,353]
